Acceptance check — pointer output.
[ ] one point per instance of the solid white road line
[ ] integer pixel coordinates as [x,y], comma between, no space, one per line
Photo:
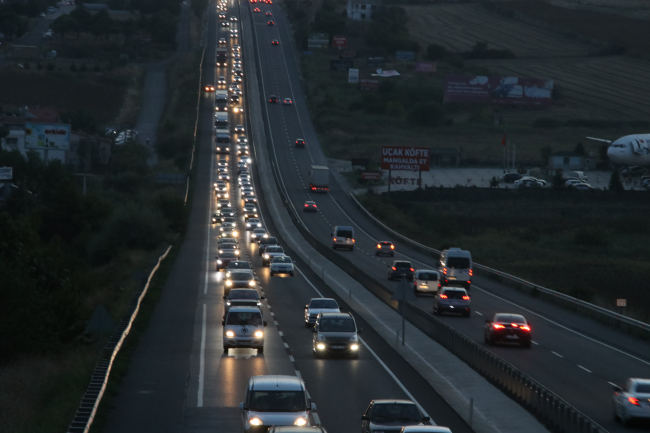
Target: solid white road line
[202,361]
[588,371]
[557,354]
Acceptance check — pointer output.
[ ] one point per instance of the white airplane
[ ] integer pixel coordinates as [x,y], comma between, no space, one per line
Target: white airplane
[631,150]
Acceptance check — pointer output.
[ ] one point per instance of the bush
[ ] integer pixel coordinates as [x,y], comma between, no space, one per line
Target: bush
[426,114]
[546,122]
[435,52]
[173,210]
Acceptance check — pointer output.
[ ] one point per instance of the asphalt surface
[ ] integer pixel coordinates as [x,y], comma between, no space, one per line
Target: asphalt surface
[575,357]
[181,380]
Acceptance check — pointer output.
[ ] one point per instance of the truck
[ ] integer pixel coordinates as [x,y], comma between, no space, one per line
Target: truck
[222,57]
[222,140]
[319,178]
[221,100]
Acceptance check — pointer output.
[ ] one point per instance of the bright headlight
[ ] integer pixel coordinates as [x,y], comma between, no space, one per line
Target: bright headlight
[253,235]
[230,334]
[228,283]
[259,334]
[354,347]
[228,303]
[235,233]
[251,283]
[255,421]
[320,346]
[300,422]
[266,256]
[219,261]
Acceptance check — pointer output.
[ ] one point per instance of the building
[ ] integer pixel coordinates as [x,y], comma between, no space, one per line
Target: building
[445,156]
[568,161]
[362,9]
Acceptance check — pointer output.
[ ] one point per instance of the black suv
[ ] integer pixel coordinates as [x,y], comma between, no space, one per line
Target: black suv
[335,333]
[401,268]
[265,242]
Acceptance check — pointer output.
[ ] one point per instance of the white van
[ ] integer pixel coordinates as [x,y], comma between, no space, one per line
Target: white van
[426,281]
[243,327]
[455,268]
[275,401]
[343,237]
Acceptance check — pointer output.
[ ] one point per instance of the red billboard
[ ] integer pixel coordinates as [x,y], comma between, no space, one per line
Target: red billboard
[405,158]
[339,41]
[498,90]
[368,84]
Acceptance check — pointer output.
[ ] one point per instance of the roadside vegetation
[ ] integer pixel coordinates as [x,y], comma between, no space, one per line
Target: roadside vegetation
[63,253]
[591,246]
[409,109]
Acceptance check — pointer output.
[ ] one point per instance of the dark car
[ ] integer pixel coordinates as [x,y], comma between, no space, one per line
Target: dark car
[273,99]
[224,259]
[310,206]
[335,334]
[510,328]
[452,300]
[243,298]
[401,268]
[271,23]
[265,242]
[300,143]
[227,211]
[390,416]
[511,177]
[385,247]
[275,42]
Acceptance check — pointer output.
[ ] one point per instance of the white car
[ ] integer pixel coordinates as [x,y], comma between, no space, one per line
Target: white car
[270,253]
[582,186]
[281,265]
[258,234]
[632,400]
[253,223]
[239,128]
[572,182]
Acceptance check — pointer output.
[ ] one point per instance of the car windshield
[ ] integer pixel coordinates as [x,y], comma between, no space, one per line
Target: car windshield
[509,318]
[243,294]
[239,265]
[269,241]
[227,256]
[277,401]
[393,412]
[323,303]
[427,276]
[242,318]
[284,259]
[454,294]
[336,325]
[458,262]
[241,276]
[274,250]
[344,234]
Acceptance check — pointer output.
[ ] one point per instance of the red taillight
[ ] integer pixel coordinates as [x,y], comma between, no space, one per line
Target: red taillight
[378,246]
[525,327]
[444,271]
[334,239]
[497,326]
[634,401]
[394,268]
[353,240]
[412,270]
[392,247]
[465,297]
[514,325]
[443,296]
[471,272]
[306,205]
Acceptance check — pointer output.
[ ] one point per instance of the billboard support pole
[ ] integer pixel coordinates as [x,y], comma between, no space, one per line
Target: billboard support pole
[514,148]
[420,179]
[389,171]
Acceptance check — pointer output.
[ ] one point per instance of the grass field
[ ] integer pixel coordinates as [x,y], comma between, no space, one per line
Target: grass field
[459,26]
[589,246]
[637,9]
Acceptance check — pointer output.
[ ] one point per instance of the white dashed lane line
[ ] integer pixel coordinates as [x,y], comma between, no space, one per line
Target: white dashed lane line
[588,371]
[557,354]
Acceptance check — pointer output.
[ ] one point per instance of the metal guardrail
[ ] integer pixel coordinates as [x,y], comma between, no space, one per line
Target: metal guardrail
[85,414]
[628,324]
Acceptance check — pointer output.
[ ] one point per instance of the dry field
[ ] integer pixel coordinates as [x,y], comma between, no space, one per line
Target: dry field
[637,9]
[459,27]
[613,87]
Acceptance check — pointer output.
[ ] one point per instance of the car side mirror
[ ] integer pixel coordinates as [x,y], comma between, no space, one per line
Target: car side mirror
[618,388]
[313,406]
[225,297]
[306,306]
[264,323]
[365,418]
[425,419]
[263,297]
[223,323]
[241,406]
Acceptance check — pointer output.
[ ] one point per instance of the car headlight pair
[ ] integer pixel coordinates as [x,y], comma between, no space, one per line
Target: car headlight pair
[230,334]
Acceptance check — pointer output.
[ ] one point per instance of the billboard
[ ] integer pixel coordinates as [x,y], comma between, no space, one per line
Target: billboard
[368,84]
[353,75]
[405,158]
[6,173]
[376,62]
[47,136]
[318,40]
[371,175]
[341,64]
[339,41]
[405,55]
[348,54]
[425,67]
[498,90]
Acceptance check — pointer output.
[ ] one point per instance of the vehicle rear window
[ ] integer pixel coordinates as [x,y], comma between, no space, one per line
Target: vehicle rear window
[227,255]
[643,388]
[344,234]
[244,319]
[427,276]
[323,303]
[284,259]
[454,294]
[387,413]
[458,262]
[508,318]
[406,265]
[243,294]
[274,250]
[336,325]
[277,401]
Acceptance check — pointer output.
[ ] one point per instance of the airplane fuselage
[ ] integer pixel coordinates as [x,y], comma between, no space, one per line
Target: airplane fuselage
[631,150]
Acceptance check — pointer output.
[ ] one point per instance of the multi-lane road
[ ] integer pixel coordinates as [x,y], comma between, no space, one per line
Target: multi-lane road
[181,379]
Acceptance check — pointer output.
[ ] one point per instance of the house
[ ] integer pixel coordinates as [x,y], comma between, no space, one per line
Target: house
[362,9]
[568,161]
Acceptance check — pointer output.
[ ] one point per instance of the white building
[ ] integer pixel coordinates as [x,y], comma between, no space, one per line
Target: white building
[362,9]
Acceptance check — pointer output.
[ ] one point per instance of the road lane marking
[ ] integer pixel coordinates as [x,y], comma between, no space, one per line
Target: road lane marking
[480,314]
[557,354]
[588,371]
[202,361]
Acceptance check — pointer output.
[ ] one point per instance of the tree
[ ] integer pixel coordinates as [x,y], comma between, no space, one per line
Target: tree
[84,18]
[64,24]
[615,183]
[545,152]
[580,149]
[102,24]
[558,181]
[426,114]
[4,132]
[436,52]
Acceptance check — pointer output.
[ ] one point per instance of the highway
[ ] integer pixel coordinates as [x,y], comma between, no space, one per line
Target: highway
[576,358]
[180,379]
